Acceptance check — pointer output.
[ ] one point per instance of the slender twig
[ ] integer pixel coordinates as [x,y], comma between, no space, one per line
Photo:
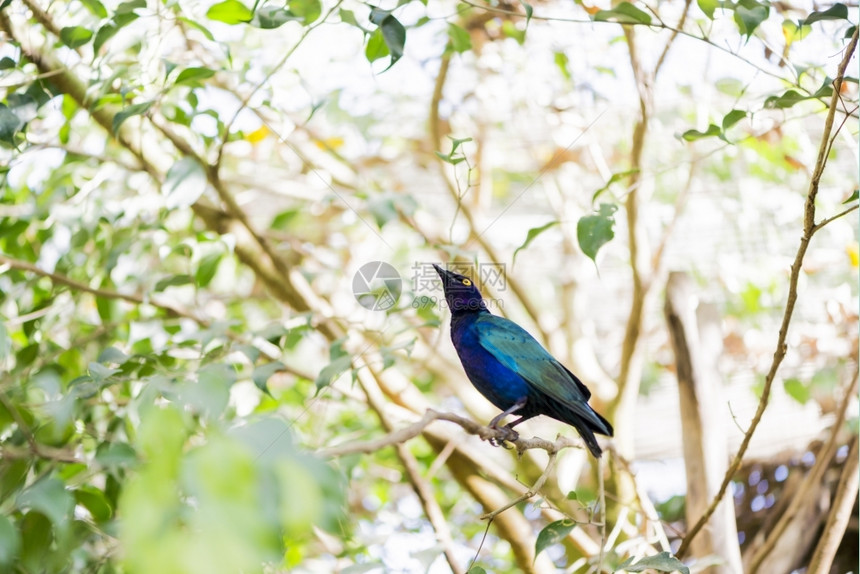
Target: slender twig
[654,25]
[436,141]
[602,488]
[840,514]
[810,483]
[550,465]
[675,31]
[484,432]
[225,134]
[104,293]
[809,229]
[830,219]
[422,488]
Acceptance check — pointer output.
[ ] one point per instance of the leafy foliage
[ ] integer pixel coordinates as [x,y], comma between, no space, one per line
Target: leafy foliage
[186,190]
[594,231]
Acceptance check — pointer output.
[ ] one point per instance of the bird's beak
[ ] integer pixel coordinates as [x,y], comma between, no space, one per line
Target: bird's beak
[444,275]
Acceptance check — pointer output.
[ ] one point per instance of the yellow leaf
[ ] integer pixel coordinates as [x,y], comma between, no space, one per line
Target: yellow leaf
[853,251]
[333,143]
[258,135]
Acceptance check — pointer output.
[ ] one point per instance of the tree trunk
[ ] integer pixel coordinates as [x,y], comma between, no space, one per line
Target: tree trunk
[697,342]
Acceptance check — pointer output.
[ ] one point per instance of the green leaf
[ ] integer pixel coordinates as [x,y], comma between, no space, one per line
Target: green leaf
[476,570]
[624,13]
[376,47]
[99,372]
[307,10]
[510,30]
[130,6]
[749,14]
[10,124]
[594,231]
[460,39]
[113,455]
[6,342]
[262,374]
[95,502]
[7,63]
[394,35]
[96,7]
[50,497]
[708,7]
[529,11]
[553,533]
[75,36]
[193,75]
[206,269]
[270,17]
[348,17]
[10,541]
[854,196]
[211,394]
[693,135]
[563,63]
[125,113]
[230,12]
[663,562]
[531,236]
[791,97]
[332,371]
[732,118]
[794,31]
[112,355]
[836,12]
[105,33]
[172,281]
[616,177]
[199,27]
[184,183]
[797,390]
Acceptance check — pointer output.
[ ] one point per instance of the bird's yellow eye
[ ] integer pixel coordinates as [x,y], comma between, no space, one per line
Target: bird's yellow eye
[467,283]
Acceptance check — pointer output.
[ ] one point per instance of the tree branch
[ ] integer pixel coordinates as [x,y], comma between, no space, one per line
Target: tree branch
[840,514]
[810,483]
[484,432]
[104,293]
[421,487]
[809,229]
[529,493]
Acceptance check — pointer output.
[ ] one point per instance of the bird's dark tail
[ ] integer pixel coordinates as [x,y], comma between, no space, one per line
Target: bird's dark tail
[587,422]
[590,441]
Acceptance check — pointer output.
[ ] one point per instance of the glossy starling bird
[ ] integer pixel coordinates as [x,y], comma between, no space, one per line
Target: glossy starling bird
[509,367]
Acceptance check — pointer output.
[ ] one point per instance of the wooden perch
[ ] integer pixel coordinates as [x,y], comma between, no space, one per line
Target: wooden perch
[697,344]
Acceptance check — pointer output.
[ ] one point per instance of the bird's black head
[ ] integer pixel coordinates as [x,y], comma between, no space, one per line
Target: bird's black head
[460,292]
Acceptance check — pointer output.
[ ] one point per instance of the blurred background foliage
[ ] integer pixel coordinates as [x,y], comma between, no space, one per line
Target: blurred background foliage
[189,187]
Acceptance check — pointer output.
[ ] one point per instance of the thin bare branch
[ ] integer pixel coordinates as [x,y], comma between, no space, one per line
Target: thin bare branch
[420,485]
[134,298]
[810,483]
[832,218]
[840,514]
[809,229]
[484,432]
[553,456]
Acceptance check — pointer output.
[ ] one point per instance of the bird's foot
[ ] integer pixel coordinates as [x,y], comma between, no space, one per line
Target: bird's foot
[508,435]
